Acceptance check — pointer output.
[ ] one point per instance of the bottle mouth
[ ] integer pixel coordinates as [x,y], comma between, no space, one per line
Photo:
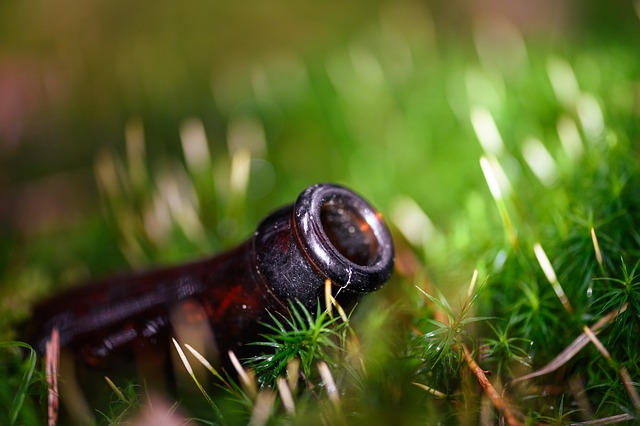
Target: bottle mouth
[345,237]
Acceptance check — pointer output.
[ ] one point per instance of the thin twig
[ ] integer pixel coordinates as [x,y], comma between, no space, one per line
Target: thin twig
[488,388]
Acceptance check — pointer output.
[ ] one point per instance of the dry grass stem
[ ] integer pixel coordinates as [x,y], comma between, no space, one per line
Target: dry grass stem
[432,391]
[116,390]
[328,298]
[52,357]
[550,273]
[629,385]
[606,420]
[208,366]
[488,165]
[472,285]
[183,357]
[248,384]
[596,246]
[576,385]
[570,351]
[293,372]
[329,383]
[262,408]
[622,372]
[286,396]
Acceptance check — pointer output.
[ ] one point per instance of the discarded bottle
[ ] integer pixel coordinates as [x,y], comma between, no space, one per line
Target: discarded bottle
[330,232]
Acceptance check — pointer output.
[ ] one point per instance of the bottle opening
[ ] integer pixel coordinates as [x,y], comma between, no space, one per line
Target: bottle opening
[344,237]
[349,232]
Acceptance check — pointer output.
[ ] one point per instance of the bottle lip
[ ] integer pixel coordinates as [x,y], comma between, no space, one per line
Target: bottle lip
[360,277]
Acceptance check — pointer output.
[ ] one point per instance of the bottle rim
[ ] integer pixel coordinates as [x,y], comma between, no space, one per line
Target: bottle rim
[344,237]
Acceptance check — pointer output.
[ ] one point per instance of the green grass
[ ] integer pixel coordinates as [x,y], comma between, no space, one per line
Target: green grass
[474,159]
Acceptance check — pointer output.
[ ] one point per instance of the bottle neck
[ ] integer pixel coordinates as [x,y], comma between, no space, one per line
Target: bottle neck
[330,232]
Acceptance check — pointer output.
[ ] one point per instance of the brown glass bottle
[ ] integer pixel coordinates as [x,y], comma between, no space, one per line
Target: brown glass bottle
[329,232]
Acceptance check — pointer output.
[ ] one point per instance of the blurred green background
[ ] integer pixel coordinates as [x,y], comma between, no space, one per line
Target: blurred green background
[373,94]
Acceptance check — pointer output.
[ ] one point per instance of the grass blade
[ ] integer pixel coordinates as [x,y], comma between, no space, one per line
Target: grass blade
[21,393]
